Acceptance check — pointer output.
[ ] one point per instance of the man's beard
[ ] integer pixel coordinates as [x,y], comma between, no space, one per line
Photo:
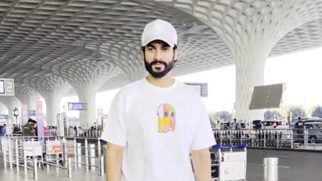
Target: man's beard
[158,74]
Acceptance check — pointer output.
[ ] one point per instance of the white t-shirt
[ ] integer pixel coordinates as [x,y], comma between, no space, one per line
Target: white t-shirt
[158,128]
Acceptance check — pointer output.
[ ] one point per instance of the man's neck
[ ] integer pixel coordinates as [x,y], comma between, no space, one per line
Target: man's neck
[163,82]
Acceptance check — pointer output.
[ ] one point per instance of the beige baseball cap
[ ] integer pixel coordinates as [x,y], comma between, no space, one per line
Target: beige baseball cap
[159,30]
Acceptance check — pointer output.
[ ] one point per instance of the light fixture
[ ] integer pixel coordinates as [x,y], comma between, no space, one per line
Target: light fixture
[16,114]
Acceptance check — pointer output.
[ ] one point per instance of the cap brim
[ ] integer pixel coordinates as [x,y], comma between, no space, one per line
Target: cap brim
[161,39]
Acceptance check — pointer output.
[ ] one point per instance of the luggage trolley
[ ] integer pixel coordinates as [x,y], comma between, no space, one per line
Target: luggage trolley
[228,163]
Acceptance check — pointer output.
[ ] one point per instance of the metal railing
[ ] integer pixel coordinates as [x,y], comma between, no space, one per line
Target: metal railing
[33,153]
[14,153]
[57,152]
[300,139]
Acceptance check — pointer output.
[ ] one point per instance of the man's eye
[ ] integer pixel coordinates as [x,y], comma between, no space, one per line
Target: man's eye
[149,48]
[165,48]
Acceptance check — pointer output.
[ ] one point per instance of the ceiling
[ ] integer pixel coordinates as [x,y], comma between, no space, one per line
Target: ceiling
[55,46]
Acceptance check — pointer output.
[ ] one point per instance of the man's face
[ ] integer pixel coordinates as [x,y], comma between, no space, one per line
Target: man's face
[159,58]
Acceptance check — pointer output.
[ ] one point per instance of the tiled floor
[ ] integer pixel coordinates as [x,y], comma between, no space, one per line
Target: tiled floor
[296,166]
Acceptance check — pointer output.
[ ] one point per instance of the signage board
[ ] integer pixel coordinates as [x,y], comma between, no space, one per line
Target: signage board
[31,112]
[32,148]
[77,106]
[54,147]
[7,87]
[201,88]
[4,116]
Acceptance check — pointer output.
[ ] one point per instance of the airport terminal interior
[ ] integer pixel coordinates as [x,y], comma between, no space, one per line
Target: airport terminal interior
[51,49]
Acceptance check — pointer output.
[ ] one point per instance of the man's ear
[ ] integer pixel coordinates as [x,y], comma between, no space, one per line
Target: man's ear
[175,55]
[141,55]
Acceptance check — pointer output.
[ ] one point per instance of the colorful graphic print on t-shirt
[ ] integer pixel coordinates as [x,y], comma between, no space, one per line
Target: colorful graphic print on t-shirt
[166,118]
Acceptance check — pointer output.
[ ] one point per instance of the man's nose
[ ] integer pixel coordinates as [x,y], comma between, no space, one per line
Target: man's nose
[158,55]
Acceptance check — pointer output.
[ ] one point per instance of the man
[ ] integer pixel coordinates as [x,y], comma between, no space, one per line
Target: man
[1,130]
[16,130]
[29,128]
[156,124]
[237,125]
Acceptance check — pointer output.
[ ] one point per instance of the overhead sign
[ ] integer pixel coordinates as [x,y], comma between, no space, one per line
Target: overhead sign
[31,112]
[77,106]
[4,116]
[7,87]
[265,97]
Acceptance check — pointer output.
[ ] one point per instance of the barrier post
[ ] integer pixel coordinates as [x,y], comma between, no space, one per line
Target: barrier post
[57,160]
[17,155]
[101,166]
[25,162]
[69,167]
[92,156]
[245,150]
[86,154]
[241,137]
[75,153]
[10,153]
[219,160]
[35,169]
[5,149]
[24,156]
[277,136]
[292,137]
[46,155]
[306,138]
[47,162]
[99,154]
[99,148]
[65,154]
[265,138]
[79,154]
[270,169]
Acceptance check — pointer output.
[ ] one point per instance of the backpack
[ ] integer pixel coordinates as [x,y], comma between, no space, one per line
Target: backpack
[27,131]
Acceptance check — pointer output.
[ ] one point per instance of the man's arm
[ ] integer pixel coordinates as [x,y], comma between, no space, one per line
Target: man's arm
[201,164]
[113,160]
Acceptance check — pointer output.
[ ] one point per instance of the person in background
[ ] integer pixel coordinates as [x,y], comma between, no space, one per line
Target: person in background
[46,131]
[157,124]
[76,131]
[29,128]
[3,130]
[217,124]
[16,130]
[237,125]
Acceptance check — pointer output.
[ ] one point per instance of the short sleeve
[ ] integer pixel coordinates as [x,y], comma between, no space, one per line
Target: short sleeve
[203,137]
[114,130]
